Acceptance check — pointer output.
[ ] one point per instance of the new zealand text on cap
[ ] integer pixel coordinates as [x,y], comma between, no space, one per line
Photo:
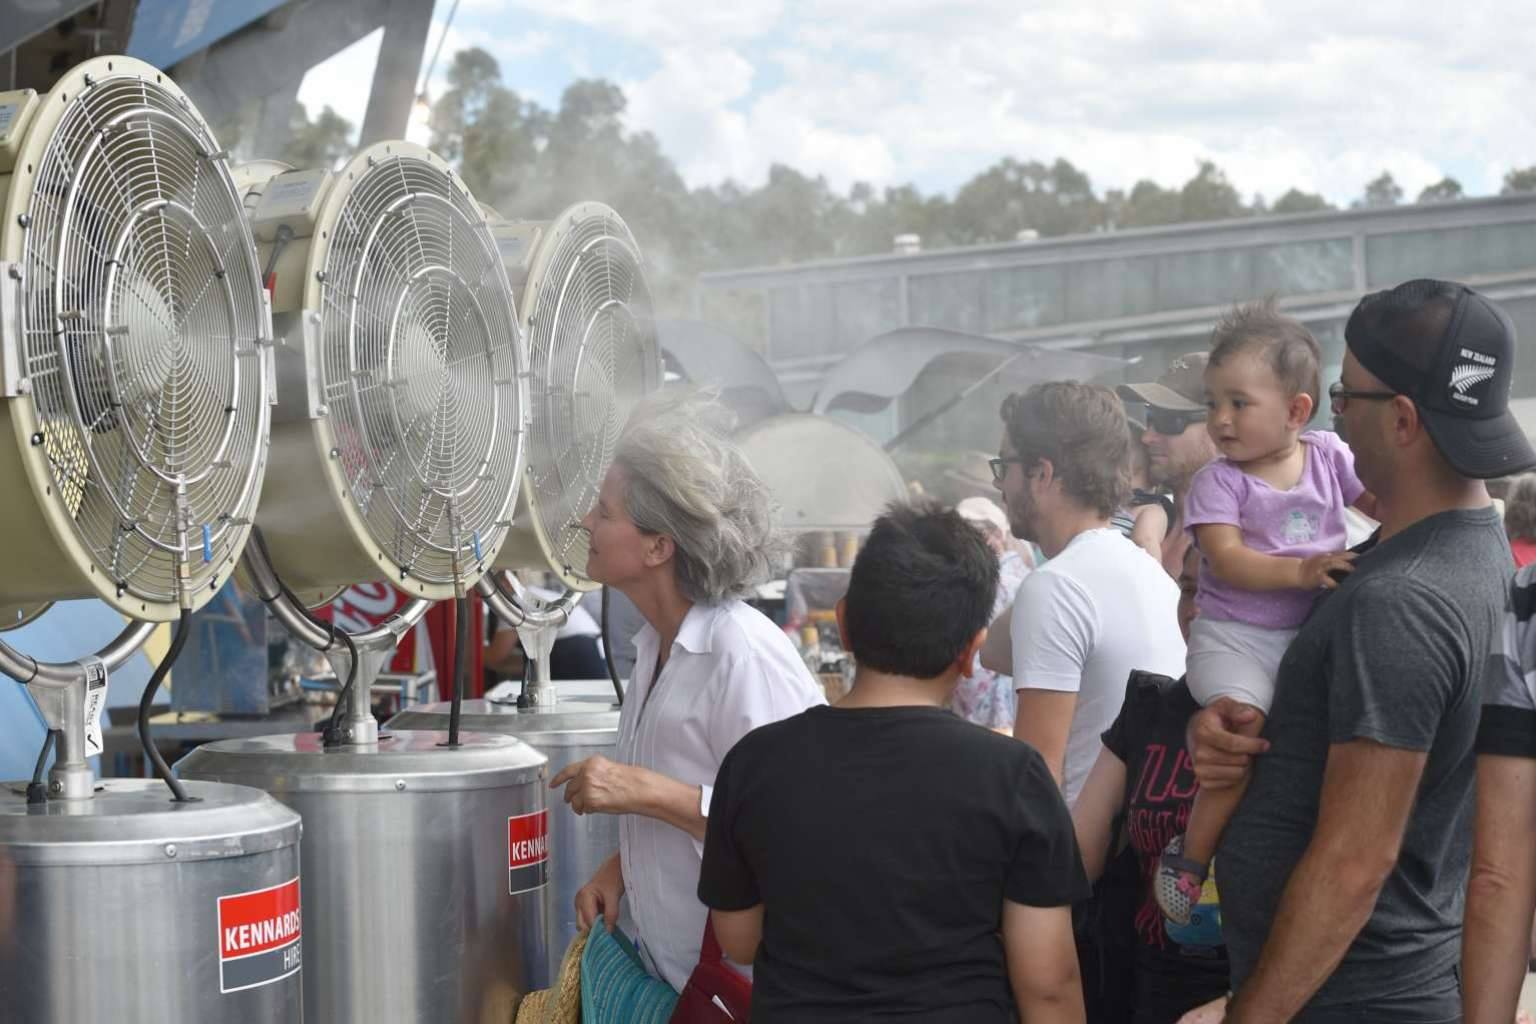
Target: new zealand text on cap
[1452,351]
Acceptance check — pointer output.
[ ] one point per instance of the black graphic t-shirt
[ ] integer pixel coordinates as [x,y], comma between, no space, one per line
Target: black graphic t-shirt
[1173,975]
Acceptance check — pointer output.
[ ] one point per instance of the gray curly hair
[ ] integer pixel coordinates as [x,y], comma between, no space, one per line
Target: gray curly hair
[684,478]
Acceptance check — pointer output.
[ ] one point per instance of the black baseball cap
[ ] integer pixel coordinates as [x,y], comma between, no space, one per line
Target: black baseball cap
[1452,351]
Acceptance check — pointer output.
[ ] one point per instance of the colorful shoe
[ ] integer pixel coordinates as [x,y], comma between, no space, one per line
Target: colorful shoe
[1178,882]
[1203,933]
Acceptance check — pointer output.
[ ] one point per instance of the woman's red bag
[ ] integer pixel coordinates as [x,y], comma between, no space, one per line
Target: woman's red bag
[716,993]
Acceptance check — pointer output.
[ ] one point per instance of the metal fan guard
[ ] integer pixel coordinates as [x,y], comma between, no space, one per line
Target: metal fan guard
[592,355]
[422,367]
[143,341]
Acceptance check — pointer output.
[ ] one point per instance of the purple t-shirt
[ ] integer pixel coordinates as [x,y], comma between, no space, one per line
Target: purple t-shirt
[1306,520]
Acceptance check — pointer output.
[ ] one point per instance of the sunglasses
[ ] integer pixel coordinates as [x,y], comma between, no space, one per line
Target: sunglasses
[1171,422]
[1339,396]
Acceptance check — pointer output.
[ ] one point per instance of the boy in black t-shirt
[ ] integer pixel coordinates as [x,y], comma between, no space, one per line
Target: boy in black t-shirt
[882,858]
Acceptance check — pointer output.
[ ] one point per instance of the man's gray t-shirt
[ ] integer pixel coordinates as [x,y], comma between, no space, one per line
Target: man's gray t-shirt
[1395,655]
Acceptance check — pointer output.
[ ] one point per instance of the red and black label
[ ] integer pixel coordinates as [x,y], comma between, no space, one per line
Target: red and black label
[527,852]
[260,937]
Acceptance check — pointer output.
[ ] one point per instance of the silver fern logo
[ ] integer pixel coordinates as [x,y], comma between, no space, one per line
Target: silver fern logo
[1473,374]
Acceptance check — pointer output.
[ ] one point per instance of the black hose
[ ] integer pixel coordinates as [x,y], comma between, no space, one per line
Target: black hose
[460,669]
[613,672]
[151,752]
[37,792]
[331,736]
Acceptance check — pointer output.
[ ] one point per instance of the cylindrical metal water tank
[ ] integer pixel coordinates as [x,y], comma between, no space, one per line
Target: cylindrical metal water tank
[575,728]
[130,908]
[425,869]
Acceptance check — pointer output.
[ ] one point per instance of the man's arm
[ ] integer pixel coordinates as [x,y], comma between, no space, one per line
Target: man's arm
[1042,963]
[997,650]
[739,932]
[1368,794]
[1501,892]
[1093,816]
[1044,721]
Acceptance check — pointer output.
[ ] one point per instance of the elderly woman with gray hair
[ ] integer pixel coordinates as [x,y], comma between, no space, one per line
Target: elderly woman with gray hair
[683,527]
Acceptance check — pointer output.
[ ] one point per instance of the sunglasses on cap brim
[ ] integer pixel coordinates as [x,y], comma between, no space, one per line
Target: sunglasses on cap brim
[1171,422]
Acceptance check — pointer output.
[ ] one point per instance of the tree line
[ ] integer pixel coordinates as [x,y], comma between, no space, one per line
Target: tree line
[531,162]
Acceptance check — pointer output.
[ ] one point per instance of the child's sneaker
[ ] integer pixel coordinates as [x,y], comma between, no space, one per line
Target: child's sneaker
[1178,882]
[1203,933]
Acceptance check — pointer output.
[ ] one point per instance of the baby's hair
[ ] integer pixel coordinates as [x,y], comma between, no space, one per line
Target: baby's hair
[1282,341]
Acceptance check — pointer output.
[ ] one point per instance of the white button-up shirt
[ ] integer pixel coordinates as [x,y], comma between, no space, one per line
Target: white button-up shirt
[730,670]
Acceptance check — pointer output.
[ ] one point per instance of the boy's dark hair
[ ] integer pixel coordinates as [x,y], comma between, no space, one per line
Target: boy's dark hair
[1082,429]
[921,588]
[1281,341]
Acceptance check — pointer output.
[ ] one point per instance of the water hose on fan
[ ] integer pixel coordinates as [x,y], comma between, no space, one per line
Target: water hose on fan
[37,789]
[151,753]
[331,736]
[460,669]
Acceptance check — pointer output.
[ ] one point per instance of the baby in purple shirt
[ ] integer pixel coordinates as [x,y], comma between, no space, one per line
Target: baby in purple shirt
[1268,518]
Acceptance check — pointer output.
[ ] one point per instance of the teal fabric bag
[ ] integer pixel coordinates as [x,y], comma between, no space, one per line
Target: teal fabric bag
[615,987]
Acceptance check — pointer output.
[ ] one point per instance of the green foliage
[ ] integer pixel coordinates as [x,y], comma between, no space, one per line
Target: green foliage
[1297,201]
[1442,190]
[318,143]
[1521,179]
[530,162]
[1382,190]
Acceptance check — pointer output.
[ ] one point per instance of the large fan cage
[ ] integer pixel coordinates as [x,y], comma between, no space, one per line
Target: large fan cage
[592,356]
[138,385]
[417,372]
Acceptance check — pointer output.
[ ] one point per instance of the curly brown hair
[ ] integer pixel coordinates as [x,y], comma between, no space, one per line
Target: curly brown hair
[1081,429]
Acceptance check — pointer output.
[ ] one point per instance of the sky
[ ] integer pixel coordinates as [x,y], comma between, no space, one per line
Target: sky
[1317,96]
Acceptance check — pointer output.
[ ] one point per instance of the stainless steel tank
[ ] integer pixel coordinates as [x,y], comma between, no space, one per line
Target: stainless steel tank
[425,869]
[584,722]
[130,908]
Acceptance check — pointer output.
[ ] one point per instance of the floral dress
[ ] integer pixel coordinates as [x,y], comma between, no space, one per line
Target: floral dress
[986,697]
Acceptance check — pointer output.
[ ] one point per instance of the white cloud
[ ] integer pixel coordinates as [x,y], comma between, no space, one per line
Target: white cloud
[659,22]
[1304,94]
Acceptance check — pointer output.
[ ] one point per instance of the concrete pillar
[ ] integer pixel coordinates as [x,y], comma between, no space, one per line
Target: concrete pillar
[406,25]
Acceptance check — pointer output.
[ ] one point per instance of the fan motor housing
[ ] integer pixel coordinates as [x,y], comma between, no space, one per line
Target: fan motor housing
[590,330]
[135,347]
[398,439]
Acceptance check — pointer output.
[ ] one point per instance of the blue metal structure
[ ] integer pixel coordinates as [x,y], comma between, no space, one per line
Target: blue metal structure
[166,32]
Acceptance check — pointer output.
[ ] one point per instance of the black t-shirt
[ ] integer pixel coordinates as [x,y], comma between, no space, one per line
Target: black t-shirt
[1148,738]
[1140,497]
[1396,655]
[882,843]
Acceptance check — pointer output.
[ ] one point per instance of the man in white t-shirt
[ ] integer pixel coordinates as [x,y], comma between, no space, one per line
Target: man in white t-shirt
[1099,607]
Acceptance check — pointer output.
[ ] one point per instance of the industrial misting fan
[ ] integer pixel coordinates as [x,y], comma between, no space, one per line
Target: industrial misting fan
[593,355]
[135,386]
[397,447]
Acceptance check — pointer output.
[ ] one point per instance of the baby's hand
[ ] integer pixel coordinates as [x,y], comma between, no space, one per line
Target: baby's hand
[1315,570]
